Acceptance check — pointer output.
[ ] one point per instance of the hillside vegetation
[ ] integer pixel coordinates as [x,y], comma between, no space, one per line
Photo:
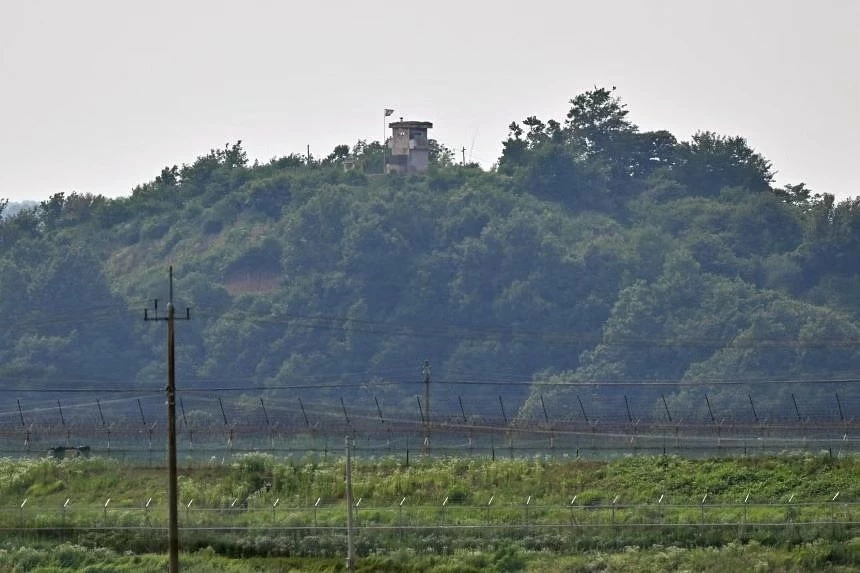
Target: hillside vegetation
[592,251]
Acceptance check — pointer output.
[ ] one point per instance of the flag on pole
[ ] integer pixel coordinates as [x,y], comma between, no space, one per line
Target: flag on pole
[388,112]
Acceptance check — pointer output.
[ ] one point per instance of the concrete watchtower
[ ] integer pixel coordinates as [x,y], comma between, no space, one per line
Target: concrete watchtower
[410,150]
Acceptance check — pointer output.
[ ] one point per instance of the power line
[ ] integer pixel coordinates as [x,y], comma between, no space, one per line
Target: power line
[452,331]
[193,382]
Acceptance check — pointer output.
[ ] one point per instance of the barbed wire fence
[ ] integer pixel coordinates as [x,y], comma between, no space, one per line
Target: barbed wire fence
[219,427]
[319,528]
[215,426]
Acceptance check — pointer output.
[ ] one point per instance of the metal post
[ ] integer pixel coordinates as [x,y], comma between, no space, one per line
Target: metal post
[582,408]
[379,411]
[99,404]
[666,406]
[304,414]
[711,412]
[752,405]
[426,372]
[345,415]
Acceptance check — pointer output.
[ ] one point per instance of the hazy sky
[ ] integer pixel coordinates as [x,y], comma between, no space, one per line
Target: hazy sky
[97,96]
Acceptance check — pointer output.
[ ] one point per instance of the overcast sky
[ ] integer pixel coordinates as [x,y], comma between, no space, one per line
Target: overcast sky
[97,96]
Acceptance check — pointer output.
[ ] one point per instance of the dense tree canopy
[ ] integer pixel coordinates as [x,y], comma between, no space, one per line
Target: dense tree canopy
[594,252]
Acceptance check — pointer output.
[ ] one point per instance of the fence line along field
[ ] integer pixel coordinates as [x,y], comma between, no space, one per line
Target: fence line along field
[259,505]
[262,477]
[284,425]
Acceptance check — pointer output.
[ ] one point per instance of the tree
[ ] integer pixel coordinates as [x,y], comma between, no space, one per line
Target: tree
[370,155]
[710,162]
[440,155]
[339,153]
[514,150]
[51,210]
[169,177]
[597,121]
[291,161]
[234,155]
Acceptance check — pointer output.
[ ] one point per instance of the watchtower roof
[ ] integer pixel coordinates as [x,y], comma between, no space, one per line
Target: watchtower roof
[411,124]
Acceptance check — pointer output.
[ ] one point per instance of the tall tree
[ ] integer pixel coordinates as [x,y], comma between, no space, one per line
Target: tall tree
[710,162]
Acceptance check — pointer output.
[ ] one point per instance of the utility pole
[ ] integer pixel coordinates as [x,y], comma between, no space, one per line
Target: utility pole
[172,494]
[426,372]
[350,548]
[464,155]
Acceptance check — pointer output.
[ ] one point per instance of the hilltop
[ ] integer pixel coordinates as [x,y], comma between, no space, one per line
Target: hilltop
[593,251]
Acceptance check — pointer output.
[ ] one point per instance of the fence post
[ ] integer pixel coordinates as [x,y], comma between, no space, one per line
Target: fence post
[632,425]
[316,505]
[146,510]
[65,507]
[150,444]
[789,513]
[572,517]
[746,516]
[833,515]
[400,515]
[357,520]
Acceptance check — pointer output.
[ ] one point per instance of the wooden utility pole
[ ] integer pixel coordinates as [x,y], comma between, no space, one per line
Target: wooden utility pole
[172,493]
[350,547]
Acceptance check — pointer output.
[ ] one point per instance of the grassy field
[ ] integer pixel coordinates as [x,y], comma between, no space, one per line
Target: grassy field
[732,558]
[257,513]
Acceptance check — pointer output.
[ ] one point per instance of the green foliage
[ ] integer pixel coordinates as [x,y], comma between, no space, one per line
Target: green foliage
[734,539]
[709,162]
[595,251]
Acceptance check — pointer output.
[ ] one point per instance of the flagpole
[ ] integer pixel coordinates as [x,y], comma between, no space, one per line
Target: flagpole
[385,113]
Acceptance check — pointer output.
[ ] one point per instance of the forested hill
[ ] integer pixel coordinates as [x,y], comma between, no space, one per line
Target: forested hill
[592,252]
